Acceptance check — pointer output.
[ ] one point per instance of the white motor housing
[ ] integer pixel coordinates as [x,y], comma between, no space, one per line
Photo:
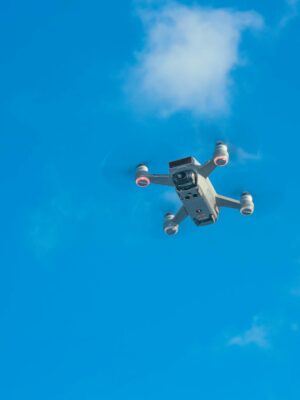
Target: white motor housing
[170,228]
[247,205]
[221,155]
[141,176]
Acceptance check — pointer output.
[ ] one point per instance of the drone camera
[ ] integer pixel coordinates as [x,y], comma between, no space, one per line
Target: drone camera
[185,180]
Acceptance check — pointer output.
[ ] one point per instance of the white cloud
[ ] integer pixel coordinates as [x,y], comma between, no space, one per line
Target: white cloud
[188,58]
[256,335]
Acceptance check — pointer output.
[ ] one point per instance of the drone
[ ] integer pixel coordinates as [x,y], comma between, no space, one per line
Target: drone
[199,199]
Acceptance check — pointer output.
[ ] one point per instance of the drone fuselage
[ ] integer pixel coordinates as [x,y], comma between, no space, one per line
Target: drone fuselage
[195,191]
[199,199]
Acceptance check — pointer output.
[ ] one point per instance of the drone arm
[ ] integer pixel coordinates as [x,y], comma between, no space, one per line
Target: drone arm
[220,159]
[207,168]
[223,201]
[172,222]
[160,179]
[180,216]
[143,178]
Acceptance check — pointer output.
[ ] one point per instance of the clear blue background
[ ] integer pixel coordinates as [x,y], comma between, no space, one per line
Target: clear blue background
[95,301]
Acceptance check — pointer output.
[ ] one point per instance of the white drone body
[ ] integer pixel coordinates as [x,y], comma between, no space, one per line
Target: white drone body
[199,199]
[198,196]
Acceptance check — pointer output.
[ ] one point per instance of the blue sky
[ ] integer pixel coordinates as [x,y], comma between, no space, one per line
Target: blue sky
[95,301]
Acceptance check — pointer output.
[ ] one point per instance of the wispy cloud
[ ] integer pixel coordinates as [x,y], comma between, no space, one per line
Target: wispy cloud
[171,197]
[291,13]
[294,327]
[52,223]
[256,335]
[295,291]
[188,57]
[243,155]
[295,286]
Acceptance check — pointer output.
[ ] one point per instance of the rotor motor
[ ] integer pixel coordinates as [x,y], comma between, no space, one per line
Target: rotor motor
[169,227]
[221,155]
[141,176]
[247,204]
